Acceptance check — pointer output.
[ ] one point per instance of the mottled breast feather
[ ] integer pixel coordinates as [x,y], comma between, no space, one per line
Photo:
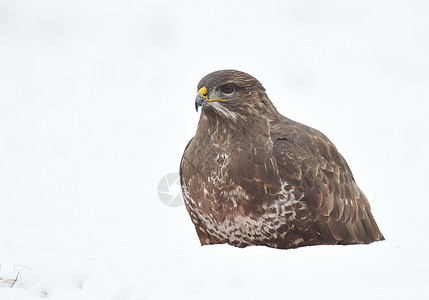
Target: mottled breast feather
[251,176]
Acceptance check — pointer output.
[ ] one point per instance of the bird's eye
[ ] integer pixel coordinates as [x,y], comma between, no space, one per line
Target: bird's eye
[227,89]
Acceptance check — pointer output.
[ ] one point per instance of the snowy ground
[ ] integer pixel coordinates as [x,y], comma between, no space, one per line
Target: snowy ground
[96,106]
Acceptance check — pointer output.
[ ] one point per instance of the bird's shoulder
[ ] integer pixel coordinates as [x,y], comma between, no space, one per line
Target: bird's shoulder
[294,141]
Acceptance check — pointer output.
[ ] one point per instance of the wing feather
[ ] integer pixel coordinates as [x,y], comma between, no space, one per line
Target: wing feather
[307,159]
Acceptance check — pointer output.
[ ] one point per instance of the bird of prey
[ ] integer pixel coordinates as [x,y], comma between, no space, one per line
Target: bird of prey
[251,176]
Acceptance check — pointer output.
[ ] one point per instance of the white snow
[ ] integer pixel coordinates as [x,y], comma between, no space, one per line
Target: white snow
[97,105]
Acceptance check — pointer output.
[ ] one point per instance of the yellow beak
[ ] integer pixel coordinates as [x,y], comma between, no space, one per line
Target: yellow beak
[203,92]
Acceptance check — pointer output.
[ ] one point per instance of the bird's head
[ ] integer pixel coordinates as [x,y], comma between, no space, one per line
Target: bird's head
[233,95]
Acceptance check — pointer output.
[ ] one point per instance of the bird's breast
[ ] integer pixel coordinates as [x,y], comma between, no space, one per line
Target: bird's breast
[234,194]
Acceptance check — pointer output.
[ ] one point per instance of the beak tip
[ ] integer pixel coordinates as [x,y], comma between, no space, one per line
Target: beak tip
[199,101]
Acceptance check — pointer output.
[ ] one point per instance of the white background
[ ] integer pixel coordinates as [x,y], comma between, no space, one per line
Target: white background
[97,105]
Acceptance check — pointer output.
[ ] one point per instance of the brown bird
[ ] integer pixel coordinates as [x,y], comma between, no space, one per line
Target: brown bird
[251,176]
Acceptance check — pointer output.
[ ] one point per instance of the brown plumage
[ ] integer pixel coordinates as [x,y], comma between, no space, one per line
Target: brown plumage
[251,176]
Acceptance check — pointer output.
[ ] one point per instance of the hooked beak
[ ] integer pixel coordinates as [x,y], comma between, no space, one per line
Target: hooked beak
[201,98]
